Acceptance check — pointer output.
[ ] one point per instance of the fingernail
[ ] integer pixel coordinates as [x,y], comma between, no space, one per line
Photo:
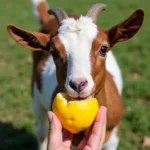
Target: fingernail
[50,116]
[103,111]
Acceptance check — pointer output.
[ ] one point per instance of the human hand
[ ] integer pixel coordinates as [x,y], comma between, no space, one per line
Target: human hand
[93,140]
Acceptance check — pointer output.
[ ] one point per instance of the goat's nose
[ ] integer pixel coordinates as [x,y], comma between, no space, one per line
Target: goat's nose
[78,86]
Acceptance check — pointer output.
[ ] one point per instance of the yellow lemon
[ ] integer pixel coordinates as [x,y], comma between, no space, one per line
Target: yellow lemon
[75,116]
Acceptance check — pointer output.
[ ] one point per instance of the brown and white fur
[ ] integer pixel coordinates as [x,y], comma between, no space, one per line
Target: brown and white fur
[71,54]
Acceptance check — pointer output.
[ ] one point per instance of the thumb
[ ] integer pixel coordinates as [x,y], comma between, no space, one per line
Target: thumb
[55,130]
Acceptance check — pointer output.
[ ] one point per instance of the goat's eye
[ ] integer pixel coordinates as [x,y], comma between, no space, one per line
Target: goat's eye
[103,50]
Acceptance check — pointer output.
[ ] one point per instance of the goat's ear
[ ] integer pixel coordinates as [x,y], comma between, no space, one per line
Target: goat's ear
[28,39]
[126,29]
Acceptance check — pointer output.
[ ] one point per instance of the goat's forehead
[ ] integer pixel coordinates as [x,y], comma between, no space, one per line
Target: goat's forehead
[77,35]
[80,25]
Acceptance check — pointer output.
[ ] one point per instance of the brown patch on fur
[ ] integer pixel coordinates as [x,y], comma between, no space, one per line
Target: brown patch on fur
[60,48]
[50,27]
[110,98]
[60,62]
[43,15]
[39,58]
[98,62]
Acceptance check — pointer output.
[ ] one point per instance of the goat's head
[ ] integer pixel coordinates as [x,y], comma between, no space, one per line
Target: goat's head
[79,48]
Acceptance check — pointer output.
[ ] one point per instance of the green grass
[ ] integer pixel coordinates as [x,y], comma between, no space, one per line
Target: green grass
[17,129]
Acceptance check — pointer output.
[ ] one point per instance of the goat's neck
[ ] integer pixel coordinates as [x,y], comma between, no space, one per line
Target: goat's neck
[108,96]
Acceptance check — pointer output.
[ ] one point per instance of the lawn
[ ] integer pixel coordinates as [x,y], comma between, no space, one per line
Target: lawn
[17,129]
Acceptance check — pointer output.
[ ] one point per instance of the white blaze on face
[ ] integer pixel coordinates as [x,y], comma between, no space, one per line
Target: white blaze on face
[77,37]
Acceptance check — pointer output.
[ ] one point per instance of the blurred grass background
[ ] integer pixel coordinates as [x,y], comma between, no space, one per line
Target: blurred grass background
[17,130]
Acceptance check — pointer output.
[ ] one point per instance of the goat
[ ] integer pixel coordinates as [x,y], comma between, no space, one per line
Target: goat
[70,50]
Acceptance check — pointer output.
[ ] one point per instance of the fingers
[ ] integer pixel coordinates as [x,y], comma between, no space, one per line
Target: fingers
[95,137]
[102,138]
[98,130]
[67,138]
[55,132]
[55,137]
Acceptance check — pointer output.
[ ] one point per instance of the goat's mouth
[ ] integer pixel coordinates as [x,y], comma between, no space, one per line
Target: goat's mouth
[80,98]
